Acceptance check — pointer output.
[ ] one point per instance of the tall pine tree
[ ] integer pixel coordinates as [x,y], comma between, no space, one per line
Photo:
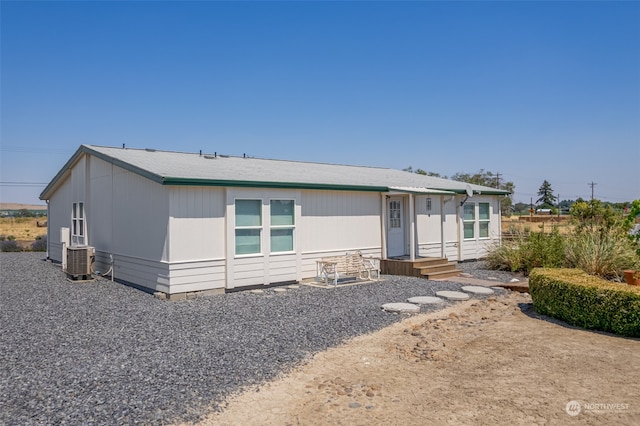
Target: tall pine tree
[547,200]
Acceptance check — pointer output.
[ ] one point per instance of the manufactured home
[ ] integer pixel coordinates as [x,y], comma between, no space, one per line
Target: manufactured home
[182,222]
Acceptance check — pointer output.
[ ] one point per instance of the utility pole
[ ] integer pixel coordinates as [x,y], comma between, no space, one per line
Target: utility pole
[531,207]
[592,185]
[498,180]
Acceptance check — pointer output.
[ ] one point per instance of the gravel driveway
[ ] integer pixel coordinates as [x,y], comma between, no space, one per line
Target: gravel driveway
[105,353]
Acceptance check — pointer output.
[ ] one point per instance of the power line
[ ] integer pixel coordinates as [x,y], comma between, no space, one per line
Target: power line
[6,183]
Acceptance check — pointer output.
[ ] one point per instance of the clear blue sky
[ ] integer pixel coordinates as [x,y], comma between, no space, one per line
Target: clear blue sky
[532,90]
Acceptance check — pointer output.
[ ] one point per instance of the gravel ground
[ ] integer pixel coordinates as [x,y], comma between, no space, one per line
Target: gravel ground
[105,353]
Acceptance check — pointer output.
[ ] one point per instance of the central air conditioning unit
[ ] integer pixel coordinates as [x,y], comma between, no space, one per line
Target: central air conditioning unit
[80,260]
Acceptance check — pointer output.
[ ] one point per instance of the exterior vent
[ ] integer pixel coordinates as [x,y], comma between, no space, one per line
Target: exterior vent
[80,260]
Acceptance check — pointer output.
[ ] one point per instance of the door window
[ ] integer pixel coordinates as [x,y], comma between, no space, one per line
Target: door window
[394,214]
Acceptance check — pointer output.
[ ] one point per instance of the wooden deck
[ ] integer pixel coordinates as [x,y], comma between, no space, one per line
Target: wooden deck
[425,267]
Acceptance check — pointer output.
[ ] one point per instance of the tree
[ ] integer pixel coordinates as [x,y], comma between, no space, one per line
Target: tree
[480,178]
[547,198]
[423,172]
[25,213]
[521,208]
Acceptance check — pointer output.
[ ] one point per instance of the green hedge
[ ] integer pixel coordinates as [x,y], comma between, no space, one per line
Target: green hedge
[577,298]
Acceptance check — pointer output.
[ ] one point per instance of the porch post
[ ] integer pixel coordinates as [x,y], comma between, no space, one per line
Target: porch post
[443,202]
[383,224]
[412,229]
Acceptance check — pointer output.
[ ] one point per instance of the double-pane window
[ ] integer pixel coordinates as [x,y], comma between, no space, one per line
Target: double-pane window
[483,220]
[469,220]
[282,225]
[77,224]
[248,226]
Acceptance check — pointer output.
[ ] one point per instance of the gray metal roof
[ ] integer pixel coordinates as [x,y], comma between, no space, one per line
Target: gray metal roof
[179,168]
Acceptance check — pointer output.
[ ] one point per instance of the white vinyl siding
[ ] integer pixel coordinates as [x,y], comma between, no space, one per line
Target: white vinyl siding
[339,221]
[282,225]
[248,226]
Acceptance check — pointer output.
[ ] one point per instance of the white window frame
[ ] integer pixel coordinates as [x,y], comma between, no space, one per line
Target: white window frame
[469,221]
[395,214]
[248,227]
[78,224]
[292,227]
[486,221]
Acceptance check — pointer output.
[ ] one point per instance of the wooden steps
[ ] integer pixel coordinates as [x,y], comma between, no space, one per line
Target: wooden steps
[426,267]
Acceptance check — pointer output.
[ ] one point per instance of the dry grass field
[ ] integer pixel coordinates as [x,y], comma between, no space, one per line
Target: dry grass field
[536,223]
[22,228]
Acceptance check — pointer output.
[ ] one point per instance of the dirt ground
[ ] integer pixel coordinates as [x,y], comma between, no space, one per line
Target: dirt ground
[477,362]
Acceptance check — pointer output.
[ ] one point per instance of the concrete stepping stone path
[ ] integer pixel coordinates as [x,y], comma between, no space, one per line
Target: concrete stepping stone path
[474,289]
[404,308]
[425,300]
[452,295]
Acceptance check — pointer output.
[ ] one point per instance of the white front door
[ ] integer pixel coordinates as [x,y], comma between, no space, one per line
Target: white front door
[395,227]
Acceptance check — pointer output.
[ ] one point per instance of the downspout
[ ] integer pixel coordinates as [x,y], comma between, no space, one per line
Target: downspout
[48,228]
[442,217]
[458,240]
[499,221]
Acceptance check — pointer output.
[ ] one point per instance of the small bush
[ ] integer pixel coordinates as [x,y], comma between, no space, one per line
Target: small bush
[508,255]
[9,245]
[580,299]
[11,238]
[528,251]
[40,244]
[603,254]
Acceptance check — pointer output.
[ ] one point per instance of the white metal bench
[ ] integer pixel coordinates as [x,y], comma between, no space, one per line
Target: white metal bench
[349,265]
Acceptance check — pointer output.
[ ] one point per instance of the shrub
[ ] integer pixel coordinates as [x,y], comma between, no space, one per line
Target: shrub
[528,251]
[580,299]
[40,244]
[10,245]
[603,254]
[508,256]
[11,238]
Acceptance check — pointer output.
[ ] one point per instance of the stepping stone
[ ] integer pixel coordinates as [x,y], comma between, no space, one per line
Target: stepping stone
[475,289]
[424,300]
[404,308]
[257,291]
[452,295]
[514,280]
[293,286]
[279,290]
